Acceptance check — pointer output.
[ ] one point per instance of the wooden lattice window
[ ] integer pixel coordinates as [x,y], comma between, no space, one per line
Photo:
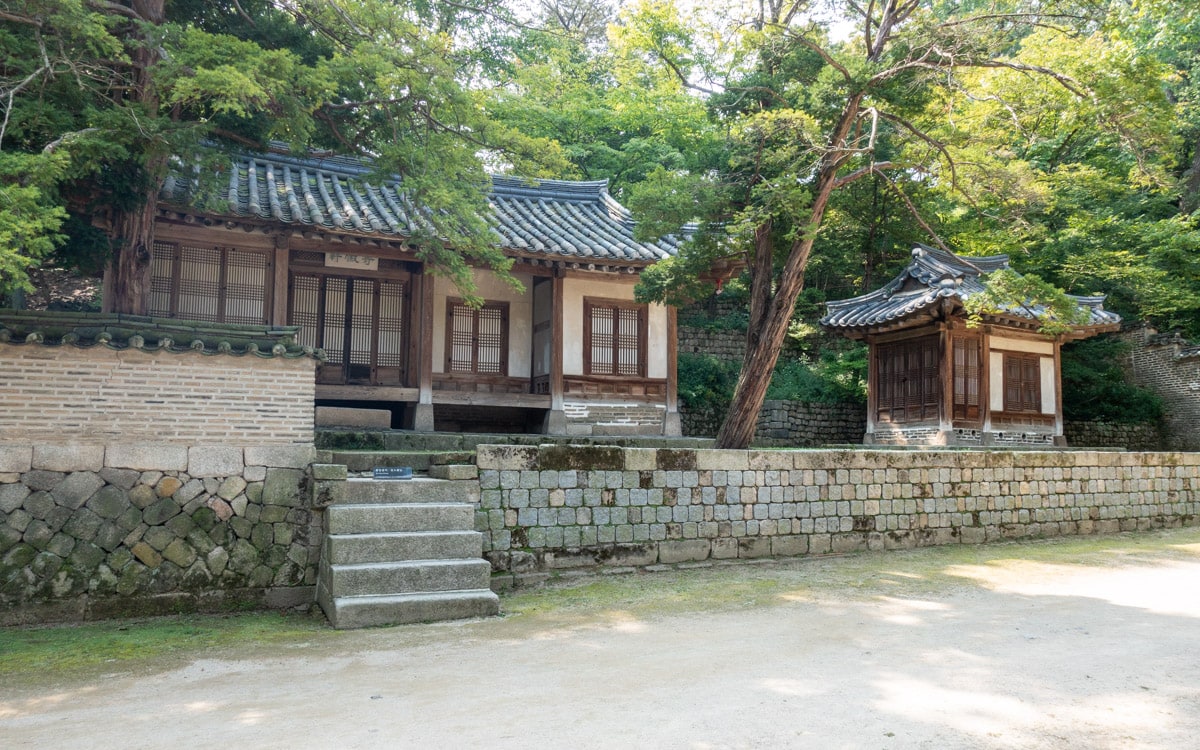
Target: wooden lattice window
[360,323]
[219,284]
[476,339]
[906,380]
[968,362]
[614,334]
[1022,383]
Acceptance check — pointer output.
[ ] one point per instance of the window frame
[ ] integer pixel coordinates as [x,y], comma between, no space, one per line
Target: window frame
[643,324]
[1023,393]
[967,404]
[449,361]
[174,282]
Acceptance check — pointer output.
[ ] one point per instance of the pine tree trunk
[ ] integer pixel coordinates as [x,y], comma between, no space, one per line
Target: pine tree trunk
[127,275]
[769,322]
[129,268]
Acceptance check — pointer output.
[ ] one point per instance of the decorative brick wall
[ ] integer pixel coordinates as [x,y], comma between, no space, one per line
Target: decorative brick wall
[789,423]
[1169,366]
[99,395]
[90,530]
[549,508]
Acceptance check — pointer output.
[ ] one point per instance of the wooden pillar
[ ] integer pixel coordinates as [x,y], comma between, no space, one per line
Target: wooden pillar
[672,426]
[872,389]
[422,411]
[556,418]
[946,377]
[1060,438]
[279,294]
[985,386]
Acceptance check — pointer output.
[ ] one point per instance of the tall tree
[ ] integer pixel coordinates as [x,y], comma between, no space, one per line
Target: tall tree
[122,87]
[811,116]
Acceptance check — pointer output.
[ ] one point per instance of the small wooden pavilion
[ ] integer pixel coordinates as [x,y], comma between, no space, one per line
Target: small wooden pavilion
[935,381]
[317,242]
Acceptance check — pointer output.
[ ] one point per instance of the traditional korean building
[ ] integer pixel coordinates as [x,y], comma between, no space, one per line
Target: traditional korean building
[315,243]
[935,381]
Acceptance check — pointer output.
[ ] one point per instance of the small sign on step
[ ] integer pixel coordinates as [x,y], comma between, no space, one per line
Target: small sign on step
[392,472]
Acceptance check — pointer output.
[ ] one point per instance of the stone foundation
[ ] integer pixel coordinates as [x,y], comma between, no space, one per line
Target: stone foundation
[121,529]
[552,508]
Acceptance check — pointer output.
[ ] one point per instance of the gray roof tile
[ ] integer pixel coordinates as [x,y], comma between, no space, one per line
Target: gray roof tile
[934,275]
[558,218]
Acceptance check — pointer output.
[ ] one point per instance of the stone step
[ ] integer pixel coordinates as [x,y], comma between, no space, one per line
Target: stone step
[454,471]
[364,491]
[345,549]
[408,576]
[365,460]
[374,518]
[442,442]
[399,609]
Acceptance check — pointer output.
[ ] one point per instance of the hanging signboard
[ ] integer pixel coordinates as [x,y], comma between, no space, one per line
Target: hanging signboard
[357,262]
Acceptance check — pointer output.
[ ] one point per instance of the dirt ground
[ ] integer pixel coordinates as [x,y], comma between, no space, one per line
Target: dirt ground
[1066,644]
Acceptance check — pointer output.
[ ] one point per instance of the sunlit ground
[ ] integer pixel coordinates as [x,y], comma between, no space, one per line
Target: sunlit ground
[1081,642]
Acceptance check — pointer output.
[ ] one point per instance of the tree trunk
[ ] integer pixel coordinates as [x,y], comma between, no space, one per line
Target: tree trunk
[127,275]
[765,336]
[129,268]
[1190,200]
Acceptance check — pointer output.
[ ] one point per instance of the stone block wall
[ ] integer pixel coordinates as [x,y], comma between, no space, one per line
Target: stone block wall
[1169,366]
[89,530]
[549,508]
[1134,437]
[719,343]
[789,423]
[102,395]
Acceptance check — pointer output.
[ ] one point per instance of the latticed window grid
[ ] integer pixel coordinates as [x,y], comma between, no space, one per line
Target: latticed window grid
[360,323]
[968,364]
[615,338]
[477,339]
[222,285]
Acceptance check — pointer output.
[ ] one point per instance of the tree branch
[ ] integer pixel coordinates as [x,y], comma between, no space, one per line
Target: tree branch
[858,174]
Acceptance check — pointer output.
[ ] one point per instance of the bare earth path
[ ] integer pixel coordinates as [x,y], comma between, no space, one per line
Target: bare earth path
[1067,644]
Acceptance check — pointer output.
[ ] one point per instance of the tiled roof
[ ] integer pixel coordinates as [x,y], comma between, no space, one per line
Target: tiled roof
[119,331]
[932,276]
[578,220]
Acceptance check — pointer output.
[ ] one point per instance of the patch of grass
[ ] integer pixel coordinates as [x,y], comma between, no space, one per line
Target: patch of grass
[58,651]
[910,573]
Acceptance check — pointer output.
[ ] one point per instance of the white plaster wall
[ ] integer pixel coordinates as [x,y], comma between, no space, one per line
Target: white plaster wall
[575,289]
[996,380]
[1046,370]
[492,289]
[1021,345]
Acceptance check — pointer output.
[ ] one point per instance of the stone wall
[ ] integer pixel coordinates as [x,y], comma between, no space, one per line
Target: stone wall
[550,508]
[788,423]
[101,395]
[719,343]
[91,530]
[1169,366]
[1135,437]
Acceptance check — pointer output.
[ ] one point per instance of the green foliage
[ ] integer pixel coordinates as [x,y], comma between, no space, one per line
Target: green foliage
[836,376]
[1006,291]
[30,222]
[1095,388]
[706,382]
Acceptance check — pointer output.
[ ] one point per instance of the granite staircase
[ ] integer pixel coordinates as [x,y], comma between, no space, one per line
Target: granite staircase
[402,552]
